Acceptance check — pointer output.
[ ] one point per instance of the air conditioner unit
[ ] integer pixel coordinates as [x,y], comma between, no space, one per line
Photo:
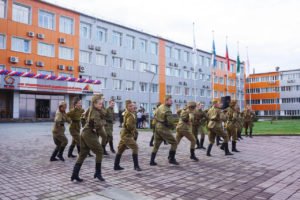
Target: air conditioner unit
[62,40]
[184,67]
[171,64]
[113,51]
[175,100]
[184,101]
[119,98]
[180,101]
[40,36]
[97,48]
[113,74]
[180,83]
[81,68]
[200,70]
[70,68]
[40,64]
[184,83]
[91,47]
[175,65]
[192,68]
[30,34]
[13,59]
[61,67]
[28,62]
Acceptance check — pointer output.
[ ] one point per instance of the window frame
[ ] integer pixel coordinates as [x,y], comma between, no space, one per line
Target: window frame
[73,24]
[54,19]
[24,5]
[67,48]
[53,50]
[30,48]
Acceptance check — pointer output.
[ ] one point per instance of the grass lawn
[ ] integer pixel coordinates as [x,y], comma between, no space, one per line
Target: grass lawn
[280,127]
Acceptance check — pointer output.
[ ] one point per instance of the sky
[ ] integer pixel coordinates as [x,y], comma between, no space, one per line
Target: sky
[269,29]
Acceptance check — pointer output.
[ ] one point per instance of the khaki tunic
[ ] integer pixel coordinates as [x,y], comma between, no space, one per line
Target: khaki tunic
[75,115]
[109,117]
[184,127]
[58,129]
[232,123]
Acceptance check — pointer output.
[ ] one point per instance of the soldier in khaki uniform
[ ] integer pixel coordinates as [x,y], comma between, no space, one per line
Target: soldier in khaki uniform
[128,132]
[75,115]
[184,127]
[153,126]
[215,128]
[249,117]
[110,118]
[232,124]
[89,139]
[163,131]
[200,121]
[58,132]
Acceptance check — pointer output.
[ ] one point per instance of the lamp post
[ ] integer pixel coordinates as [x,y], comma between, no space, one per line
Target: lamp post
[149,98]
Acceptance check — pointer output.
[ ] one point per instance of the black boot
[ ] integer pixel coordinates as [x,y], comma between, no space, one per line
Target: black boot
[75,174]
[198,144]
[78,148]
[152,161]
[60,154]
[227,153]
[136,162]
[209,149]
[172,159]
[193,157]
[201,144]
[98,172]
[165,142]
[151,141]
[222,146]
[250,133]
[117,163]
[53,156]
[234,147]
[104,150]
[218,140]
[70,152]
[111,144]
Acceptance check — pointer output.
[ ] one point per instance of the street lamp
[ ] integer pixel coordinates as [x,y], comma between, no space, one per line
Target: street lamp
[149,100]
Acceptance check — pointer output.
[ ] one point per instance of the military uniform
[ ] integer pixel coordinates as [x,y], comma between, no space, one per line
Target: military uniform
[89,140]
[128,132]
[232,124]
[75,115]
[249,117]
[215,129]
[199,124]
[163,131]
[109,117]
[58,132]
[184,128]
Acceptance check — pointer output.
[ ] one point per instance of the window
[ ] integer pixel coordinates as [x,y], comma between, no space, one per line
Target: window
[202,92]
[143,87]
[169,89]
[143,66]
[117,38]
[200,60]
[101,34]
[85,57]
[85,30]
[66,53]
[117,84]
[186,56]
[143,45]
[44,72]
[129,64]
[186,74]
[130,41]
[154,88]
[103,82]
[101,59]
[20,69]
[21,13]
[66,25]
[2,67]
[2,8]
[186,91]
[168,52]
[2,41]
[176,54]
[176,72]
[46,20]
[177,90]
[207,61]
[154,49]
[65,74]
[208,93]
[154,68]
[215,79]
[129,85]
[169,71]
[221,94]
[117,62]
[21,45]
[215,94]
[45,49]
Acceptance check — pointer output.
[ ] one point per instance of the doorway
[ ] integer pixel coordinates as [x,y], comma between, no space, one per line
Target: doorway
[42,108]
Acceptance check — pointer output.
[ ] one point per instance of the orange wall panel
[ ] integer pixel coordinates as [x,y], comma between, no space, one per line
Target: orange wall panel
[162,70]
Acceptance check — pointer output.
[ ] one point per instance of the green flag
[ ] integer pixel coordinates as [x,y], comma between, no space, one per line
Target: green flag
[238,64]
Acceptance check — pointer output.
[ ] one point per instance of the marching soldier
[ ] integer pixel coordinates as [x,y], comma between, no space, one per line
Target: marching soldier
[153,126]
[110,118]
[249,117]
[58,132]
[90,141]
[199,123]
[215,128]
[232,124]
[75,115]
[128,132]
[184,127]
[163,128]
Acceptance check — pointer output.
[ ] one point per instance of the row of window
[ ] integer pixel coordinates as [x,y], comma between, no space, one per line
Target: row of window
[283,113]
[290,76]
[263,101]
[273,89]
[221,80]
[291,100]
[270,79]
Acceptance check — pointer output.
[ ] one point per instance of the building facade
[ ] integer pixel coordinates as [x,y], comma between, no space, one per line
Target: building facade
[50,53]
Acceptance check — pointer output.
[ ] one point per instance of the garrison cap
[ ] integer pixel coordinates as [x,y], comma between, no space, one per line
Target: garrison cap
[191,104]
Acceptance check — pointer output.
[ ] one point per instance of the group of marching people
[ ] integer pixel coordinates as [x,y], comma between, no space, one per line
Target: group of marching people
[97,121]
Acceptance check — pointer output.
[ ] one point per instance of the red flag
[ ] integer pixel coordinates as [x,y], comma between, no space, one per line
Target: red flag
[227,59]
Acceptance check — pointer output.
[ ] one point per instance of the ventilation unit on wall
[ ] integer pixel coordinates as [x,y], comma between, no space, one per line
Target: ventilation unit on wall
[40,64]
[200,70]
[40,36]
[13,59]
[171,64]
[62,40]
[97,48]
[119,98]
[114,52]
[70,68]
[184,67]
[91,47]
[175,65]
[28,62]
[30,34]
[180,83]
[114,74]
[81,68]
[61,67]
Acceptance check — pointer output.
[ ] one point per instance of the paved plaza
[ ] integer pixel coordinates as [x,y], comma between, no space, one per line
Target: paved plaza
[266,168]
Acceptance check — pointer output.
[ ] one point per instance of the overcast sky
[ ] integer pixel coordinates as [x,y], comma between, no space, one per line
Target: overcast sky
[269,28]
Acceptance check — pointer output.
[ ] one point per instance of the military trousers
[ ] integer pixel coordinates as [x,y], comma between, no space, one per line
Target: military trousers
[102,133]
[248,125]
[217,131]
[89,141]
[188,135]
[60,139]
[109,132]
[232,132]
[127,141]
[75,136]
[160,136]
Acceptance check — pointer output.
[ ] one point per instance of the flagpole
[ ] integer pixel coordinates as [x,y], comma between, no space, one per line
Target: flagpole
[249,71]
[213,70]
[238,49]
[195,62]
[228,67]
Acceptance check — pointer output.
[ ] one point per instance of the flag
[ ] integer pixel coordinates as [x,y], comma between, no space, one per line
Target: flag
[238,64]
[213,56]
[227,58]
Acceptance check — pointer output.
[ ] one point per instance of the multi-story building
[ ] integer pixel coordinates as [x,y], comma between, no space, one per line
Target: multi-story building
[53,53]
[274,93]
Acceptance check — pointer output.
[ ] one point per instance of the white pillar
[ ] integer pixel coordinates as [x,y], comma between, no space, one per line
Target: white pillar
[16,105]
